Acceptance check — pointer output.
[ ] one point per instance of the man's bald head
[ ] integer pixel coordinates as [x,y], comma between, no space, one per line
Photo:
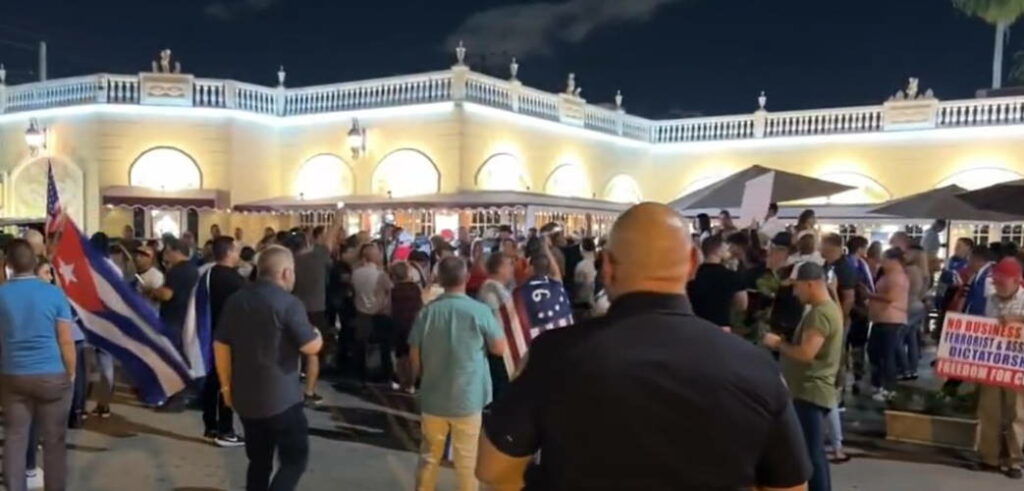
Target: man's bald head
[649,250]
[277,265]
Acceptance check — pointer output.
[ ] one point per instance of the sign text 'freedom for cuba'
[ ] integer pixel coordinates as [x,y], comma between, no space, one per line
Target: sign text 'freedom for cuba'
[981,350]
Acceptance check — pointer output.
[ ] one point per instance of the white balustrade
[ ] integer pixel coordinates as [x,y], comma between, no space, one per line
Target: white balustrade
[636,128]
[600,119]
[538,103]
[703,129]
[502,94]
[395,91]
[122,89]
[52,93]
[981,112]
[489,91]
[255,98]
[208,93]
[824,121]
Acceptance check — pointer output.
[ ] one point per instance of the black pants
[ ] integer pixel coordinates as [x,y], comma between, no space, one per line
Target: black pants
[882,345]
[217,416]
[373,329]
[287,434]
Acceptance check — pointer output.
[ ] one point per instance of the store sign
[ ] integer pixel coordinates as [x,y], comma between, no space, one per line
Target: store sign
[981,350]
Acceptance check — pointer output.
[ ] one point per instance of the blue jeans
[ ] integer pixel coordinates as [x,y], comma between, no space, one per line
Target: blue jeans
[908,351]
[811,417]
[882,353]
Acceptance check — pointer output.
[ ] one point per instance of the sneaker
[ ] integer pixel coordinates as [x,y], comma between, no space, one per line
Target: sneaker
[314,399]
[395,386]
[913,376]
[882,395]
[229,440]
[102,411]
[34,478]
[210,435]
[1013,473]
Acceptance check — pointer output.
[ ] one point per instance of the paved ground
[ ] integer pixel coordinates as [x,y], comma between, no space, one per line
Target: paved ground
[362,443]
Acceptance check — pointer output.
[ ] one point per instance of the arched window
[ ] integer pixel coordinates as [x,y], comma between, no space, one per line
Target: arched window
[502,172]
[165,168]
[623,189]
[568,180]
[323,176]
[978,178]
[406,173]
[866,190]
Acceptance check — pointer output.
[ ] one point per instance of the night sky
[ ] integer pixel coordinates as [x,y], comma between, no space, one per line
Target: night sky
[671,58]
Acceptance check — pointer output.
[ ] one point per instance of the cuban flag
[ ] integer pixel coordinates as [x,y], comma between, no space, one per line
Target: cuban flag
[197,332]
[53,208]
[116,319]
[540,304]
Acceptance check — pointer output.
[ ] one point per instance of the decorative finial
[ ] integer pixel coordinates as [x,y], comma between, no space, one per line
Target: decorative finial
[762,100]
[618,99]
[164,63]
[460,53]
[280,76]
[513,68]
[579,90]
[3,74]
[570,84]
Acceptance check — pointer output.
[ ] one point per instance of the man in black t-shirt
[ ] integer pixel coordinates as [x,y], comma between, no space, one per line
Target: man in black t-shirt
[716,292]
[224,281]
[181,278]
[648,397]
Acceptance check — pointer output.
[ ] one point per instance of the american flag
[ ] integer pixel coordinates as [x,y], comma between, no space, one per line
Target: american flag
[536,306]
[53,208]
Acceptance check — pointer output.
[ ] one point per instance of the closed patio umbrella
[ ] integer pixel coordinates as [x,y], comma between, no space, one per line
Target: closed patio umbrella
[944,203]
[728,193]
[1006,197]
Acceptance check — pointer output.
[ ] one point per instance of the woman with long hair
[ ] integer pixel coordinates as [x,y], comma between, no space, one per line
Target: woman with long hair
[909,349]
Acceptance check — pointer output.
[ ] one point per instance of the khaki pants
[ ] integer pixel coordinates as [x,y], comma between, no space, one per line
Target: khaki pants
[465,433]
[1001,417]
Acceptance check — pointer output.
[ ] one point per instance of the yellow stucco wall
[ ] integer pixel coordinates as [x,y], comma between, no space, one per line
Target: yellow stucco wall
[259,157]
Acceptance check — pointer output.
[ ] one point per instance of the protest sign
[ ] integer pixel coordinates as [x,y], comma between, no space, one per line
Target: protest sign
[981,350]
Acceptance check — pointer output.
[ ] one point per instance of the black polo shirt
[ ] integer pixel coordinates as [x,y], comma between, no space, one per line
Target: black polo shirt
[265,326]
[650,397]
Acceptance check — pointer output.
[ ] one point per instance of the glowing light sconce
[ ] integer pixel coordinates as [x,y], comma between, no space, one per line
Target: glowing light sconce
[357,139]
[35,137]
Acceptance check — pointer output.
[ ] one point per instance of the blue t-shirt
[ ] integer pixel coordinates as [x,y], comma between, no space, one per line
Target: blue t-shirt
[452,333]
[29,311]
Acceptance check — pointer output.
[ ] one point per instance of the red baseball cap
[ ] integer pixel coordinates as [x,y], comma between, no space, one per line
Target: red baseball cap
[1008,267]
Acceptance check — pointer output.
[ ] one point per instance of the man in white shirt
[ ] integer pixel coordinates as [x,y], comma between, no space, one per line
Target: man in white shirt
[772,225]
[585,275]
[372,295]
[150,277]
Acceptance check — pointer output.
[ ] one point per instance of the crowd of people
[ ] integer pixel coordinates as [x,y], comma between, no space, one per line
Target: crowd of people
[668,378]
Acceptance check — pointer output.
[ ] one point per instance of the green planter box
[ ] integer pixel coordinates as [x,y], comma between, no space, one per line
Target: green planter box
[937,431]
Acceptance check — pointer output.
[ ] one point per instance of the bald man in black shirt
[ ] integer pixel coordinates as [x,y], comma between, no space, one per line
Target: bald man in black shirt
[648,397]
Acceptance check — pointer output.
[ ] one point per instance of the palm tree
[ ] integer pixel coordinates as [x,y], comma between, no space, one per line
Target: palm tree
[1001,13]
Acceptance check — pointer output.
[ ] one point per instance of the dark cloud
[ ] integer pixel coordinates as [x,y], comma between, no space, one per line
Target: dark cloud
[227,10]
[536,28]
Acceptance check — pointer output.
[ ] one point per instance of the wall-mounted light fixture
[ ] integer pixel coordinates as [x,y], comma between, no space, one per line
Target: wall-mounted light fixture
[357,139]
[35,137]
